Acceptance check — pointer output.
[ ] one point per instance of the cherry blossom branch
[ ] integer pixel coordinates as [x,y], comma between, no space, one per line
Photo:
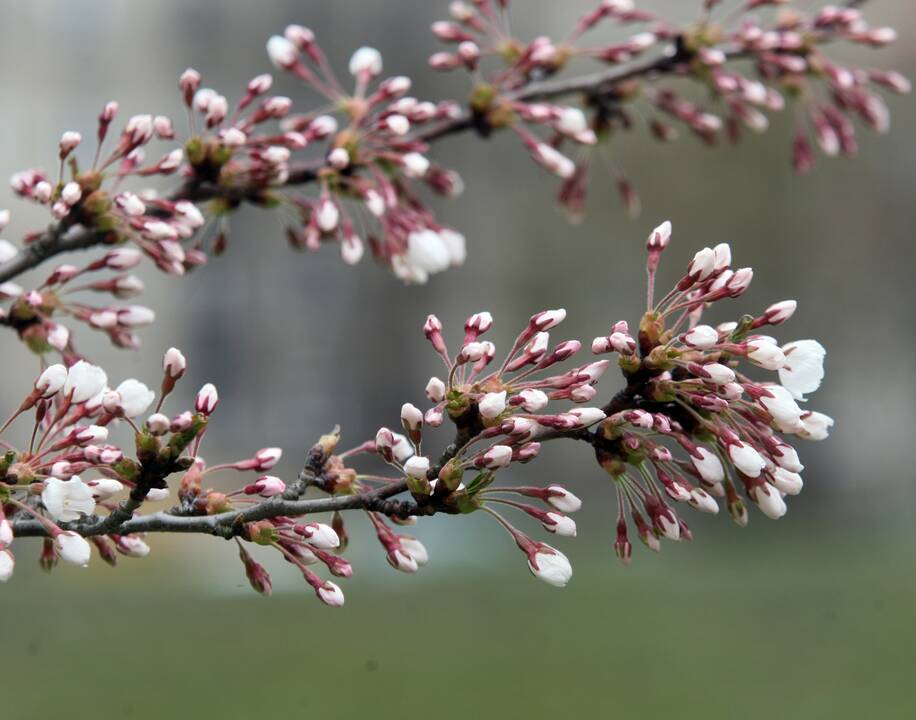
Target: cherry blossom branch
[229,524]
[684,389]
[600,90]
[123,521]
[689,426]
[58,238]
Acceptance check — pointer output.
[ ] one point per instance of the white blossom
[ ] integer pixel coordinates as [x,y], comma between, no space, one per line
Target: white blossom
[67,500]
[84,381]
[803,369]
[135,397]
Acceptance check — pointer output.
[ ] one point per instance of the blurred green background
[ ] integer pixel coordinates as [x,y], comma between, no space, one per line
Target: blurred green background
[810,617]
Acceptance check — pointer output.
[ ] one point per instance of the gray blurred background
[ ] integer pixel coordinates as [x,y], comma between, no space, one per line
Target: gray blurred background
[810,617]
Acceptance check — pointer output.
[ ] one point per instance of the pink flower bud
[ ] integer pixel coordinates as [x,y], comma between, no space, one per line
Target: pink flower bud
[553,160]
[769,500]
[68,141]
[7,565]
[174,363]
[550,565]
[73,548]
[746,458]
[366,63]
[707,465]
[533,400]
[547,319]
[779,312]
[765,353]
[416,467]
[6,531]
[266,486]
[158,424]
[477,325]
[104,488]
[189,82]
[411,417]
[701,336]
[498,456]
[282,53]
[207,399]
[327,215]
[415,165]
[435,390]
[492,405]
[318,534]
[330,594]
[660,237]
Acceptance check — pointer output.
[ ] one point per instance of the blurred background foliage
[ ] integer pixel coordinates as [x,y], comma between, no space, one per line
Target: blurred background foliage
[811,617]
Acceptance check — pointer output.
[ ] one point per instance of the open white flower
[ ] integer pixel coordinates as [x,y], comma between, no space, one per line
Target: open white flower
[66,500]
[804,367]
[50,382]
[84,381]
[135,397]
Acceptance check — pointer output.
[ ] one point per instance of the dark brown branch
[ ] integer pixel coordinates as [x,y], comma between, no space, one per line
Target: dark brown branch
[228,524]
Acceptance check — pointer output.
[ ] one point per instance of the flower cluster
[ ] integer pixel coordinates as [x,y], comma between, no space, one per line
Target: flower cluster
[688,389]
[785,52]
[368,156]
[37,315]
[72,468]
[685,389]
[74,413]
[374,157]
[690,426]
[91,198]
[500,411]
[696,423]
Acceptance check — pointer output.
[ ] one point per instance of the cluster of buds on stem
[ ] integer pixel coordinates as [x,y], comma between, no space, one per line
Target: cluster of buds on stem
[785,49]
[690,427]
[40,316]
[687,391]
[374,156]
[72,465]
